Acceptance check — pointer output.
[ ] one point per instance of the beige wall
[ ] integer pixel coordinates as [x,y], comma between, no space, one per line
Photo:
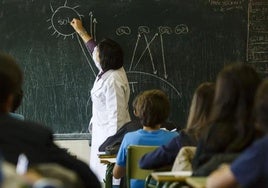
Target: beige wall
[79,148]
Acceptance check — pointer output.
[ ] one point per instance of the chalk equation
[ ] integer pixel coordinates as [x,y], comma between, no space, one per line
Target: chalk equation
[226,5]
[257,47]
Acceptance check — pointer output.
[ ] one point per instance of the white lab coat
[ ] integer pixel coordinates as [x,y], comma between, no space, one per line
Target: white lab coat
[110,96]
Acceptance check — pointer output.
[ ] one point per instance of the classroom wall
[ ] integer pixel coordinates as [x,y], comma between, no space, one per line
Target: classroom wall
[79,148]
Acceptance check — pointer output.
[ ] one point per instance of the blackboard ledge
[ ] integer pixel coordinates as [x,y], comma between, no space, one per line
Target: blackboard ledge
[73,136]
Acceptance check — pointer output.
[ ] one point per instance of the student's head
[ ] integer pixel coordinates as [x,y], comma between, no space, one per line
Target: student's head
[110,55]
[232,108]
[261,106]
[200,108]
[11,78]
[235,90]
[152,107]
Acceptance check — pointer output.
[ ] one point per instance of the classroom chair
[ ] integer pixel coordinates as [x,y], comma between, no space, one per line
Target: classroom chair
[133,171]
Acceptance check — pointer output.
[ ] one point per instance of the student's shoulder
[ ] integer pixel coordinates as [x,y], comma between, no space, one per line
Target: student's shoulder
[171,133]
[261,142]
[133,133]
[35,127]
[134,136]
[31,123]
[12,121]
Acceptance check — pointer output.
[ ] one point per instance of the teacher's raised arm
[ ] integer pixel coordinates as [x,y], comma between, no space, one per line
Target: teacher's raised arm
[78,27]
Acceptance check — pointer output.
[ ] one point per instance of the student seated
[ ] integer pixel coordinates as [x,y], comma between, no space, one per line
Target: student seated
[152,108]
[33,140]
[166,154]
[112,143]
[250,169]
[230,125]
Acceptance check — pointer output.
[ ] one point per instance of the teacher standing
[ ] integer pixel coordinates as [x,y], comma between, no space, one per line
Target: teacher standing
[109,95]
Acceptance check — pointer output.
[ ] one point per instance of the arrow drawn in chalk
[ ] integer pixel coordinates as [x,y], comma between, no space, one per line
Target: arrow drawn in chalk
[134,51]
[164,30]
[150,54]
[147,46]
[95,26]
[81,46]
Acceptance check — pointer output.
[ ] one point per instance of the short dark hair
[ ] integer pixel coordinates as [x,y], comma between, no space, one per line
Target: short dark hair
[261,106]
[11,78]
[152,107]
[111,55]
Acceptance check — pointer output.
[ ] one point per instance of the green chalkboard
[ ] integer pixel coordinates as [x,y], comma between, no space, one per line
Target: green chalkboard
[173,45]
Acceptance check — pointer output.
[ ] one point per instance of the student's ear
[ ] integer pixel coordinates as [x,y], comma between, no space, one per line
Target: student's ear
[135,113]
[9,103]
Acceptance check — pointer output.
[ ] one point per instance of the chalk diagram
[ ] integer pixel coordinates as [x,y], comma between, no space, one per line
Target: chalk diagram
[152,79]
[139,80]
[60,26]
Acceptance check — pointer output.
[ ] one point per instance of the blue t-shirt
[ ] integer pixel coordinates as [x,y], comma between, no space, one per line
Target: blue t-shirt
[251,167]
[166,154]
[142,137]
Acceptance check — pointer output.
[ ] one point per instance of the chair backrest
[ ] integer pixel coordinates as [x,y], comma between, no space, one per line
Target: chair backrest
[133,171]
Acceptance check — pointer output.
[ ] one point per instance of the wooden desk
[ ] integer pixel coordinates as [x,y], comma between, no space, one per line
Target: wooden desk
[104,156]
[197,182]
[171,176]
[109,160]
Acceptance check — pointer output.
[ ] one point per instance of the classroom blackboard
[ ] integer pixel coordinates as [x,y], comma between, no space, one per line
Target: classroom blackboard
[173,45]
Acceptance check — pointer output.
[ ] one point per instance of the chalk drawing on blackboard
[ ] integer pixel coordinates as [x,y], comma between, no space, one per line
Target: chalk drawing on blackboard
[93,26]
[143,31]
[257,37]
[134,51]
[226,5]
[150,79]
[140,81]
[60,23]
[61,18]
[146,48]
[164,30]
[181,29]
[123,30]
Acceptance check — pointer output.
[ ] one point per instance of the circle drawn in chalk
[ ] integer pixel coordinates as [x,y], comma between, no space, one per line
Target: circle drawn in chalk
[140,81]
[60,21]
[181,29]
[123,30]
